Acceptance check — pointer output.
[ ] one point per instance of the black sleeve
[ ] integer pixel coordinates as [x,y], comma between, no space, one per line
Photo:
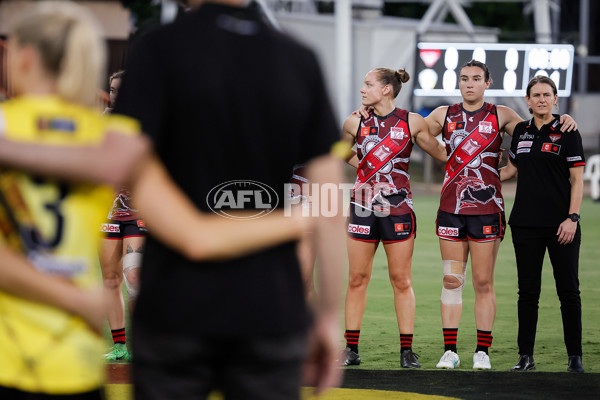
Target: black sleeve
[514,143]
[322,130]
[574,151]
[142,94]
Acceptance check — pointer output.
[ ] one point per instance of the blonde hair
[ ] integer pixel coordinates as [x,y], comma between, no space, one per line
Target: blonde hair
[117,75]
[70,44]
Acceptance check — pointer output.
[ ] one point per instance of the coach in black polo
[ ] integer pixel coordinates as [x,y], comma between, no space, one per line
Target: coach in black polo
[545,215]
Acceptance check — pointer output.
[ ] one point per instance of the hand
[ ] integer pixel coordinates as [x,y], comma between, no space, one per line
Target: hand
[320,368]
[501,155]
[363,111]
[568,123]
[566,231]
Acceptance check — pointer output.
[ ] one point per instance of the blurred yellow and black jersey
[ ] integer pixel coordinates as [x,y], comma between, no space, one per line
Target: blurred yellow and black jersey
[43,349]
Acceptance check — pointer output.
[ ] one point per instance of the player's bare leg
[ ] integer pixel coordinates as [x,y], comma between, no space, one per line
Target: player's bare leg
[133,248]
[483,262]
[454,259]
[360,257]
[111,251]
[455,251]
[399,256]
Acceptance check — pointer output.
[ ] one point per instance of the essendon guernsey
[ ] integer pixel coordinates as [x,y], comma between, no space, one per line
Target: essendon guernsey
[121,209]
[471,180]
[383,147]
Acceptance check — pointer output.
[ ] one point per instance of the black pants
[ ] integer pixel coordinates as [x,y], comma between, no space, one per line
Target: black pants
[530,246]
[177,366]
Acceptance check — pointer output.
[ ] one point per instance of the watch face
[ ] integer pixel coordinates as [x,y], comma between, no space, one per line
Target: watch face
[574,217]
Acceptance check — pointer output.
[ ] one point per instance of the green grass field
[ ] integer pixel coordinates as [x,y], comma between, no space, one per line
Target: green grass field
[379,341]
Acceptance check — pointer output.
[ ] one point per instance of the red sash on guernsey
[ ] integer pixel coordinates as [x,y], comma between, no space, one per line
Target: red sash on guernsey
[380,155]
[473,145]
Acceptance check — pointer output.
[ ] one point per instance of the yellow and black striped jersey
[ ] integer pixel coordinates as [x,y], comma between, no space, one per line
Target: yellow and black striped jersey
[44,349]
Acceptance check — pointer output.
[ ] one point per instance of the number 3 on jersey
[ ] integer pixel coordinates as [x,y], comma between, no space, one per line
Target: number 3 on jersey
[31,217]
[53,195]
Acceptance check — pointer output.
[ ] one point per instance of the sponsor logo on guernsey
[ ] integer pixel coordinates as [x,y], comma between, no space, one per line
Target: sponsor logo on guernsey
[485,126]
[525,143]
[527,136]
[397,133]
[524,150]
[551,148]
[359,229]
[56,124]
[364,131]
[554,138]
[453,126]
[576,158]
[554,124]
[114,228]
[447,231]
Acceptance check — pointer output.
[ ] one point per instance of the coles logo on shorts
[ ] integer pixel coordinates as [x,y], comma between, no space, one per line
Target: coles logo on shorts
[113,228]
[447,231]
[360,229]
[141,223]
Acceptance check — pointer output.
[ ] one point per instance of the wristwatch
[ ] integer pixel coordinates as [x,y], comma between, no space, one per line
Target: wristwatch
[574,217]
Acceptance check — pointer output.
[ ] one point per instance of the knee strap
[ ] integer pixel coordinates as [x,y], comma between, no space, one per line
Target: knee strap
[130,262]
[458,270]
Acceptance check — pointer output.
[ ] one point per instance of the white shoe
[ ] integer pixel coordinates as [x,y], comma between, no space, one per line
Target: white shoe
[449,360]
[481,361]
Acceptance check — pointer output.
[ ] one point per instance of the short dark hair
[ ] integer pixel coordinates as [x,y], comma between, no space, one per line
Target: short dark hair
[475,63]
[541,79]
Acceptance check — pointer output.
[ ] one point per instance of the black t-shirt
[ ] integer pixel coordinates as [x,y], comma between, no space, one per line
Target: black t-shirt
[543,158]
[225,97]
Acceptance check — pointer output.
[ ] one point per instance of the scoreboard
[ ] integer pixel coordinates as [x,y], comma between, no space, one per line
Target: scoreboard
[511,67]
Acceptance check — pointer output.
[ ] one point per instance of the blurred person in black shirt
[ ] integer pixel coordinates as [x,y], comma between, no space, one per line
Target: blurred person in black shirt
[227,98]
